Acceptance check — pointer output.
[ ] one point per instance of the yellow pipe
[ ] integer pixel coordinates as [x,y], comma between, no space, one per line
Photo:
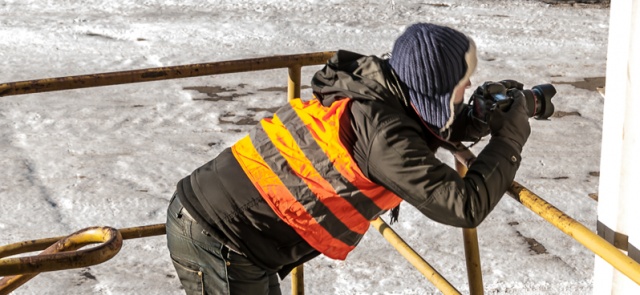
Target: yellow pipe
[568,225]
[54,258]
[471,250]
[576,230]
[41,244]
[295,75]
[9,284]
[420,264]
[110,237]
[21,270]
[164,73]
[472,253]
[293,91]
[297,280]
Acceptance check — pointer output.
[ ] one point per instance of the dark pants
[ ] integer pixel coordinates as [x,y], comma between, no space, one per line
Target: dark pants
[205,266]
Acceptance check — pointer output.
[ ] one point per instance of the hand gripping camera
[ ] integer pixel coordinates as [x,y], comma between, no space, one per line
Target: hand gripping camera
[500,95]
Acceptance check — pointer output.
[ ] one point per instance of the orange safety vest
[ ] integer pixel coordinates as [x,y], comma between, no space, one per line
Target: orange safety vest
[301,168]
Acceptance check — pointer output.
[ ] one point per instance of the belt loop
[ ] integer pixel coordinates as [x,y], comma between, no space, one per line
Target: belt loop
[225,253]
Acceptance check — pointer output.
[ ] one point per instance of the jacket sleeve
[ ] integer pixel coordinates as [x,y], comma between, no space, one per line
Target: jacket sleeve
[399,159]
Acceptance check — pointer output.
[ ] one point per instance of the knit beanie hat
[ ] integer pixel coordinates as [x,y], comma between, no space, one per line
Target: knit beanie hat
[431,60]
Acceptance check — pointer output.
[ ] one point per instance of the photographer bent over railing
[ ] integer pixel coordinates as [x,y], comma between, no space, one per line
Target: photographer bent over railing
[487,106]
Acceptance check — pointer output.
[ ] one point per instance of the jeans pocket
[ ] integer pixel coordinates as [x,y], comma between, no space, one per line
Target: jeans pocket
[191,279]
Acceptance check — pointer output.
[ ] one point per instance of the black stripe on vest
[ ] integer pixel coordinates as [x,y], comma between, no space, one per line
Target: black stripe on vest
[300,190]
[365,206]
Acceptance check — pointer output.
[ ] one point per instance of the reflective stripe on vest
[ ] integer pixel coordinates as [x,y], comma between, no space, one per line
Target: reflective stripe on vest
[299,165]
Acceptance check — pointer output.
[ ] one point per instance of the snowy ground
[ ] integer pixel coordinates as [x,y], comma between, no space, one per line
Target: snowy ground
[112,155]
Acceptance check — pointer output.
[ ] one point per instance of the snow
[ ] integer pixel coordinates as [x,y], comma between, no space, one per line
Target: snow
[112,155]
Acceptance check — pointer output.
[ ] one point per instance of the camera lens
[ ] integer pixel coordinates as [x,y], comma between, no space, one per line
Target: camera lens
[539,101]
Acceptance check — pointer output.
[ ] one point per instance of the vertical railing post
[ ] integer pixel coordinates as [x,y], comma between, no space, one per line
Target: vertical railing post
[472,253]
[297,280]
[293,91]
[471,250]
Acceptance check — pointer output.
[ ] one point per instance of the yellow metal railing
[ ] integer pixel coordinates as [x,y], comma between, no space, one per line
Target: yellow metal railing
[54,258]
[414,258]
[471,250]
[620,261]
[61,252]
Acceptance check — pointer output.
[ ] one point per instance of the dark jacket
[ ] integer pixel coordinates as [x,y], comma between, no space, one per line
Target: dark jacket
[390,145]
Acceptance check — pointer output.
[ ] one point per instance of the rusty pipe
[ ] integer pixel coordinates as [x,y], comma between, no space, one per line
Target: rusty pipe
[41,244]
[164,73]
[20,270]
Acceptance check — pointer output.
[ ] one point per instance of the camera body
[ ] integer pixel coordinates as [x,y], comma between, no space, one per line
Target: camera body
[538,98]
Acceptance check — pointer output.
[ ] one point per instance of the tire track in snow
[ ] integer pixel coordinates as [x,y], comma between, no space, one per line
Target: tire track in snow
[35,200]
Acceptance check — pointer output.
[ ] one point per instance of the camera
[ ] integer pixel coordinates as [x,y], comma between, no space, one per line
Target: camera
[538,98]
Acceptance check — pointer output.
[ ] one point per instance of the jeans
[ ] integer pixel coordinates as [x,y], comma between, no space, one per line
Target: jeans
[205,266]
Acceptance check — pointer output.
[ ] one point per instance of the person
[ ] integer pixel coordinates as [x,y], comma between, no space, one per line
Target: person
[308,180]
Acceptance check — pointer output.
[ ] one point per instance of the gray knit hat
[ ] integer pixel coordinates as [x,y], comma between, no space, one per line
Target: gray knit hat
[432,60]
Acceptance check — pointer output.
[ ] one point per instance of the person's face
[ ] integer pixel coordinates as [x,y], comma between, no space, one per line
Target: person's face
[458,92]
